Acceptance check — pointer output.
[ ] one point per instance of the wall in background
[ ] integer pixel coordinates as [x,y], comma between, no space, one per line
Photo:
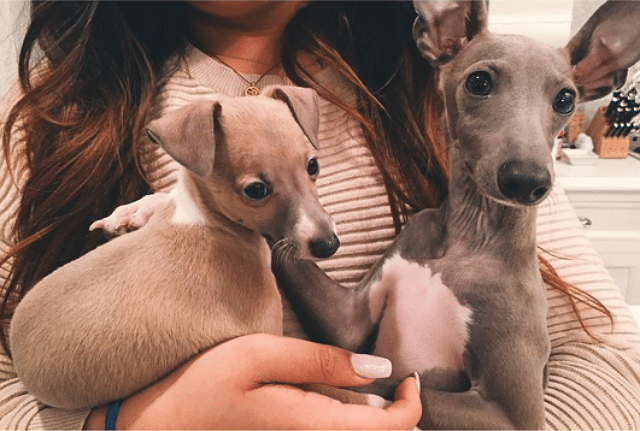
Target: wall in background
[548,21]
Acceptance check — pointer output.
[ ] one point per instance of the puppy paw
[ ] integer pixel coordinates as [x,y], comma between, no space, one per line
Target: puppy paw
[130,217]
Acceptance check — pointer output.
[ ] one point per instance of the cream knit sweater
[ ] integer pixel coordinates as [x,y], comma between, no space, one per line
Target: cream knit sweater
[592,384]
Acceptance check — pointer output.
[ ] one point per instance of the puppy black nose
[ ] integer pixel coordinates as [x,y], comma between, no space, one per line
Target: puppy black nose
[324,247]
[524,182]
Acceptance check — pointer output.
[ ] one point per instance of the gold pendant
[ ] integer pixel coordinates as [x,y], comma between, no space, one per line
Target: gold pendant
[252,90]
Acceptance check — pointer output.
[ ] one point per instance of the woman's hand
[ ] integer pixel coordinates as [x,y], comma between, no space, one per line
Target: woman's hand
[247,383]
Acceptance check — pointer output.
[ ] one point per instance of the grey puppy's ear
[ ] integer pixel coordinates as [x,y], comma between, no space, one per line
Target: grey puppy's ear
[304,105]
[605,47]
[188,135]
[443,28]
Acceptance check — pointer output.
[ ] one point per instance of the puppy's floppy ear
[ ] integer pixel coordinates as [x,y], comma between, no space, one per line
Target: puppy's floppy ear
[188,135]
[443,28]
[304,105]
[605,47]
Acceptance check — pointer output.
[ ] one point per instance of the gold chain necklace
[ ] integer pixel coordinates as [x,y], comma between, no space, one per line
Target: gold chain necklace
[252,89]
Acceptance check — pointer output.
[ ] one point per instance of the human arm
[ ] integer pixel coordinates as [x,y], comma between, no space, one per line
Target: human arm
[237,384]
[593,383]
[243,384]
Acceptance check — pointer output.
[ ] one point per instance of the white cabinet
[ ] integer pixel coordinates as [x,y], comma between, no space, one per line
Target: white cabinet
[606,197]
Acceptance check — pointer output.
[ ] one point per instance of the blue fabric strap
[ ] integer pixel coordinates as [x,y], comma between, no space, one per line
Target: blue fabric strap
[112,415]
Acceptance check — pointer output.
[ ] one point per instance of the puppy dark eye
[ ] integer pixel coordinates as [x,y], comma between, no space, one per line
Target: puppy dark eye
[257,191]
[565,102]
[479,83]
[313,167]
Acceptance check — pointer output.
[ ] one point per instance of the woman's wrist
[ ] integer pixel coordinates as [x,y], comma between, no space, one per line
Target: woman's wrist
[95,420]
[135,412]
[112,414]
[149,408]
[248,382]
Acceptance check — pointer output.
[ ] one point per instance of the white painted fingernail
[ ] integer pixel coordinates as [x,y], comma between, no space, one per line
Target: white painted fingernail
[417,377]
[371,367]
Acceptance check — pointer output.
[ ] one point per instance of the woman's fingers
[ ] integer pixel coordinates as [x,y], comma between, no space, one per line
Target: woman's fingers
[281,362]
[310,410]
[252,382]
[408,403]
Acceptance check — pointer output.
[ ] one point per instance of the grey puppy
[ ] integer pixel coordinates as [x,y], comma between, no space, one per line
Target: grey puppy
[458,297]
[198,273]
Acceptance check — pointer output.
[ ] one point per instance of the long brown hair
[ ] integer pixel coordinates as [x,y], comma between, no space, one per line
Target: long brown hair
[86,100]
[88,72]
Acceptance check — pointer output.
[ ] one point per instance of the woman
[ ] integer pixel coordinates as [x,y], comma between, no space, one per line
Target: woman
[111,66]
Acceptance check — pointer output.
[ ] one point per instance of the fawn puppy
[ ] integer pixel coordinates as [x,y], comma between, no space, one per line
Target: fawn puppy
[198,273]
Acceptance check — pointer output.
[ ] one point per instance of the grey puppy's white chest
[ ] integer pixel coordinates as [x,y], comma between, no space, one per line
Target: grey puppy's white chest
[423,325]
